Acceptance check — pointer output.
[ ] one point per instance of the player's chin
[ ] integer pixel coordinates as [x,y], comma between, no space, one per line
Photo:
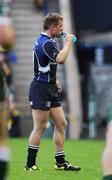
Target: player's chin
[58,35]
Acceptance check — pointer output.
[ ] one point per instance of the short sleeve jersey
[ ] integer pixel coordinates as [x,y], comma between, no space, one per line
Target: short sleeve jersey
[45,52]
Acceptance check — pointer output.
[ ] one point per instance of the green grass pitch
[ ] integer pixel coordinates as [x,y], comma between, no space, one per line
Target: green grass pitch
[86,153]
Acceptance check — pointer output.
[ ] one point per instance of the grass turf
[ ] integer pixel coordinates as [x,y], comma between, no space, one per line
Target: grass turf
[86,153]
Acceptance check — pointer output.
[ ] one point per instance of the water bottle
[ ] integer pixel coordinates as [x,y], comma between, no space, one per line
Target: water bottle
[64,34]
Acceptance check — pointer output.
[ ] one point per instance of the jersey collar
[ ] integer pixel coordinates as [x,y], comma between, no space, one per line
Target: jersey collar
[45,34]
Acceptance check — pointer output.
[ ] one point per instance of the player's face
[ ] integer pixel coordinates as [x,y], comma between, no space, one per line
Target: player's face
[58,29]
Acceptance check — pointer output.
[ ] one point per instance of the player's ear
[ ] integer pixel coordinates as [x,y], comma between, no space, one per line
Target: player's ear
[52,27]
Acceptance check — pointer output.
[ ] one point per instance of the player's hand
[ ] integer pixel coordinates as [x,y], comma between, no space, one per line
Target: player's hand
[59,86]
[69,37]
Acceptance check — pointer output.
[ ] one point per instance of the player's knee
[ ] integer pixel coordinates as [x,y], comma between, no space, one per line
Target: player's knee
[40,129]
[63,124]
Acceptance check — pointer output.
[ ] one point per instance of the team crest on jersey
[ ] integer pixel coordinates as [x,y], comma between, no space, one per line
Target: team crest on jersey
[48,103]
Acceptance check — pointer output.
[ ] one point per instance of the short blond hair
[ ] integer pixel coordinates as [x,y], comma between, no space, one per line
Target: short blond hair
[51,19]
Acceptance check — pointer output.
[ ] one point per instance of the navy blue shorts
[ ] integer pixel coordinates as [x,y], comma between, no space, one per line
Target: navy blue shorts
[44,96]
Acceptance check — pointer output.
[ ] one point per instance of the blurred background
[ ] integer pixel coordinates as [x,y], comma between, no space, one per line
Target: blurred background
[86,77]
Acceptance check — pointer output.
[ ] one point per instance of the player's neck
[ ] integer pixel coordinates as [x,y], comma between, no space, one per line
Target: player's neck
[48,32]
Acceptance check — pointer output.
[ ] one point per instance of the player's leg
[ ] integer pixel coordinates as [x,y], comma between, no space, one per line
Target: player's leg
[4,150]
[40,119]
[60,124]
[107,154]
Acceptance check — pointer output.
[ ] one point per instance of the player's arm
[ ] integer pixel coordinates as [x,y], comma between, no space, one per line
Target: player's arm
[51,50]
[63,54]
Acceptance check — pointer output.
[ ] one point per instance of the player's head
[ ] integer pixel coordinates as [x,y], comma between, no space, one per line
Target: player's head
[54,23]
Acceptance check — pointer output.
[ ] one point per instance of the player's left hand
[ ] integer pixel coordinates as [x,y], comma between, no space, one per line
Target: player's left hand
[59,86]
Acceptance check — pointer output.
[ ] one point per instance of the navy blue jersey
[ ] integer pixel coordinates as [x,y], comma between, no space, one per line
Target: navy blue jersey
[44,56]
